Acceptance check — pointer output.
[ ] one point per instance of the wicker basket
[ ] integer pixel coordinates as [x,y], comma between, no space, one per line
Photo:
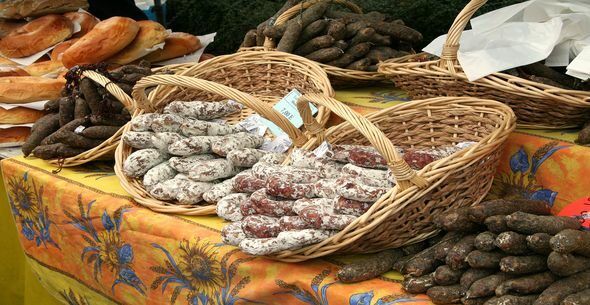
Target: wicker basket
[107,147]
[404,214]
[338,76]
[536,105]
[256,74]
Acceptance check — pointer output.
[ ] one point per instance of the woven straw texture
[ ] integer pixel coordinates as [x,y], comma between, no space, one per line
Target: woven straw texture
[404,214]
[338,76]
[106,148]
[255,79]
[536,105]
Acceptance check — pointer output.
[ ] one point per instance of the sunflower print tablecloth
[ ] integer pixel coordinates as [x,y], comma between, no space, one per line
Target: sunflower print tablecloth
[88,243]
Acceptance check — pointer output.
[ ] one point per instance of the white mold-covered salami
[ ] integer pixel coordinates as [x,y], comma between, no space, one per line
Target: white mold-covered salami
[141,161]
[245,157]
[273,158]
[268,205]
[295,174]
[186,164]
[382,183]
[292,223]
[219,190]
[192,127]
[357,171]
[166,123]
[328,168]
[351,188]
[192,146]
[262,170]
[203,110]
[303,158]
[169,189]
[210,170]
[317,218]
[232,234]
[261,246]
[228,207]
[138,139]
[294,240]
[142,122]
[247,183]
[345,206]
[261,226]
[192,192]
[326,205]
[325,188]
[222,129]
[247,208]
[157,174]
[236,141]
[282,186]
[161,140]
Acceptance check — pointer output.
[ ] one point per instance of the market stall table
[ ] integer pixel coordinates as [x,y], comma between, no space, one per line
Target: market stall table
[89,244]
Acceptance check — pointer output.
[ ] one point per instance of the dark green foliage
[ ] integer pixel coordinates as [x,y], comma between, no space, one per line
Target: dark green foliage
[231,19]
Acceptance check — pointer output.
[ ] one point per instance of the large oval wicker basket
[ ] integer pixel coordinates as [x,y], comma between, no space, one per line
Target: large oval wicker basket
[404,214]
[106,148]
[255,80]
[338,76]
[536,105]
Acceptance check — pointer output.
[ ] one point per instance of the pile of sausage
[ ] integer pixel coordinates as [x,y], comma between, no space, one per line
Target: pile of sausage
[278,208]
[184,156]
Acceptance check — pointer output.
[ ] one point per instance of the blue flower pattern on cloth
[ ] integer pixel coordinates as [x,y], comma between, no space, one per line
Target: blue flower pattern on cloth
[28,209]
[105,248]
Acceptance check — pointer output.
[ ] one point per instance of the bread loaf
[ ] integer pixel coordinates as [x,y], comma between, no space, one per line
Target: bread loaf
[150,34]
[36,36]
[177,44]
[58,51]
[45,67]
[14,136]
[19,9]
[19,115]
[12,70]
[107,38]
[26,89]
[7,26]
[87,22]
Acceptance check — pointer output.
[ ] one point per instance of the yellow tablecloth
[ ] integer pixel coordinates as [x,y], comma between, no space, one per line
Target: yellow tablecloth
[90,244]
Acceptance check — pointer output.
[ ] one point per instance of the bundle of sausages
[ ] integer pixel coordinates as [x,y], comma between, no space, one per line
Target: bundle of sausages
[84,117]
[288,207]
[342,39]
[498,252]
[185,156]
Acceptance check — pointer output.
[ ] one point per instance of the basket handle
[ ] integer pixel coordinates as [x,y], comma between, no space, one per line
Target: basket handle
[451,46]
[404,175]
[112,88]
[290,13]
[245,99]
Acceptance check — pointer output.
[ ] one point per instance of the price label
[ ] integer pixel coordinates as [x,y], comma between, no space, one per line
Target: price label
[287,106]
[280,144]
[324,150]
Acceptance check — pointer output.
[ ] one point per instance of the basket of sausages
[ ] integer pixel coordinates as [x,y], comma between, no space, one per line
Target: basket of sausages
[367,188]
[186,142]
[346,43]
[541,96]
[85,124]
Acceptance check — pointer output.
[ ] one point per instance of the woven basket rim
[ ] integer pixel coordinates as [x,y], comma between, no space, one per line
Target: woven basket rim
[435,173]
[109,145]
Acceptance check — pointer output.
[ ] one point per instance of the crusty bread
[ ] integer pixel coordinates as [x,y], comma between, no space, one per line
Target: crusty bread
[19,115]
[7,26]
[177,44]
[14,136]
[19,9]
[45,67]
[26,89]
[11,70]
[87,22]
[150,34]
[106,39]
[36,36]
[58,51]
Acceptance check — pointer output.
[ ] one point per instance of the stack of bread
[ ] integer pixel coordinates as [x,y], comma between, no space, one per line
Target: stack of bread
[58,35]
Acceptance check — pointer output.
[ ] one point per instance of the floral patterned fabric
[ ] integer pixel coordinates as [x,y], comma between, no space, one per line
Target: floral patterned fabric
[90,244]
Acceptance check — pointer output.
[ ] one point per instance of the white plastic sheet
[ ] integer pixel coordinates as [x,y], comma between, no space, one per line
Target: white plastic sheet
[553,30]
